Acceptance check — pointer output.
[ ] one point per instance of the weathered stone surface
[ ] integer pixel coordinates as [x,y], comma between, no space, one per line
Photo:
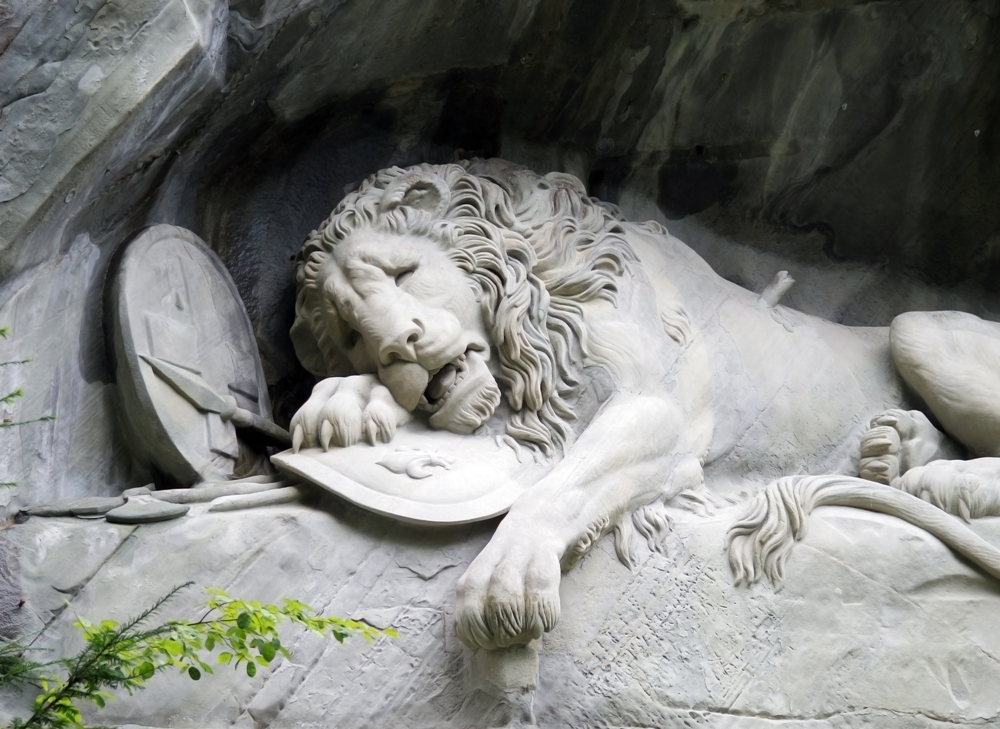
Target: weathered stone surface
[138,491]
[86,506]
[850,143]
[171,304]
[849,640]
[53,316]
[234,502]
[208,492]
[146,510]
[784,137]
[62,557]
[10,591]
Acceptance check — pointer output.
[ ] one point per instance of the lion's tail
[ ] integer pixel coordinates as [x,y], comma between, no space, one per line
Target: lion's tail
[760,542]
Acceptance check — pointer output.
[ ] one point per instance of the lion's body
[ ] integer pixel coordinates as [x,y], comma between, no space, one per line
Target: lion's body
[765,392]
[711,386]
[780,392]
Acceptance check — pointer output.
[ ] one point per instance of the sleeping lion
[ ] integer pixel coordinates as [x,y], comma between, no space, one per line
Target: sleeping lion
[459,292]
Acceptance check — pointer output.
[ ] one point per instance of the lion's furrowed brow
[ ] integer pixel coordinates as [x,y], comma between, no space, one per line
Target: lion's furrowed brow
[360,270]
[388,261]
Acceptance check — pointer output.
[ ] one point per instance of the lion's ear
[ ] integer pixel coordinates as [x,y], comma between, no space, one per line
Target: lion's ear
[417,189]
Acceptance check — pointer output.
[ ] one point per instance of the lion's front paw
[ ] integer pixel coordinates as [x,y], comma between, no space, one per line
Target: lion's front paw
[510,593]
[343,410]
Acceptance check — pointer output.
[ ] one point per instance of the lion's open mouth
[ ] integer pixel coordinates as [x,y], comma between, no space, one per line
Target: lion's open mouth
[443,383]
[462,395]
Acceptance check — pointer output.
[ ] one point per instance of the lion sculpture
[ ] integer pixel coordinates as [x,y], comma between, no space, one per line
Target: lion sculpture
[450,291]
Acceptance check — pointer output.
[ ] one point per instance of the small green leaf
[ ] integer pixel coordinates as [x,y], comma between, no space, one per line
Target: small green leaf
[267,651]
[225,657]
[243,621]
[210,642]
[251,669]
[146,671]
[194,673]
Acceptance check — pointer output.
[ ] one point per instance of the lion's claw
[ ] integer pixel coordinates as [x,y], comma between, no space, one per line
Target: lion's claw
[342,411]
[896,441]
[880,440]
[510,593]
[946,485]
[380,419]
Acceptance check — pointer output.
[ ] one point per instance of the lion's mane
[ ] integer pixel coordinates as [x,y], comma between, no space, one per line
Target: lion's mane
[537,245]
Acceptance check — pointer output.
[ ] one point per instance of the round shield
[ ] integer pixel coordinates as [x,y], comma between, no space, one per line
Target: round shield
[176,316]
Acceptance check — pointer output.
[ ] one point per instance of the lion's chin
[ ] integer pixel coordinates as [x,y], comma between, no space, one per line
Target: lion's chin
[471,402]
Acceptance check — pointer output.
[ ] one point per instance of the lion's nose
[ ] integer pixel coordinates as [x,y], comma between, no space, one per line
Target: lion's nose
[401,342]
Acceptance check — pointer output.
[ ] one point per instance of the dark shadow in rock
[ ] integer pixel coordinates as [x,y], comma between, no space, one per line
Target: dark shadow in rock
[695,185]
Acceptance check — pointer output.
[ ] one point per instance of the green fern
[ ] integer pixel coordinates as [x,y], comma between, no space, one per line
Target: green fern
[126,656]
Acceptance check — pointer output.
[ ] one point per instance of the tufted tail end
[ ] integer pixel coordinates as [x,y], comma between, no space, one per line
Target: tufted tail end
[760,542]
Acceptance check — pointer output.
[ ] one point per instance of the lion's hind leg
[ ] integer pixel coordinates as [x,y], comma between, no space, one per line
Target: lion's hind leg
[652,523]
[969,489]
[759,544]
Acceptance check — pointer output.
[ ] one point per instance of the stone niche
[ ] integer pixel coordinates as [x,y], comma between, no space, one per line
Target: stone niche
[851,144]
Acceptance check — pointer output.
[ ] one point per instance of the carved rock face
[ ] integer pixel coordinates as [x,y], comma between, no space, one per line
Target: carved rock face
[402,308]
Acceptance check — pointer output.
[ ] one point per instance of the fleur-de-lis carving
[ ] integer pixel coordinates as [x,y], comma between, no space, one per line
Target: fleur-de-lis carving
[414,463]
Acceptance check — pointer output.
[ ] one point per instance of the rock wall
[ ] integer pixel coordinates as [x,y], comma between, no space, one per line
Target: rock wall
[851,143]
[850,641]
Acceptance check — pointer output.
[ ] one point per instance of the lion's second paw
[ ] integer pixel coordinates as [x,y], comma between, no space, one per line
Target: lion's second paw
[896,441]
[381,416]
[510,593]
[344,410]
[880,454]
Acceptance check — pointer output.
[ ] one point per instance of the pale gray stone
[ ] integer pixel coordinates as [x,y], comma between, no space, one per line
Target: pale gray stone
[506,672]
[54,321]
[57,558]
[850,641]
[138,491]
[766,164]
[172,300]
[11,602]
[203,494]
[418,326]
[86,506]
[285,495]
[146,510]
[808,137]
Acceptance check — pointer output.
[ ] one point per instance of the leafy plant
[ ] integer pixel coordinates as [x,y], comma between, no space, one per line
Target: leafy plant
[16,670]
[10,398]
[127,655]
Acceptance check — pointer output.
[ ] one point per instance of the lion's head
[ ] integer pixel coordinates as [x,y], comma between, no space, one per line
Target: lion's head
[421,271]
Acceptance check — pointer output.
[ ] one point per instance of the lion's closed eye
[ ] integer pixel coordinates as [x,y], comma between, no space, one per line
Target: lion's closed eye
[403,275]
